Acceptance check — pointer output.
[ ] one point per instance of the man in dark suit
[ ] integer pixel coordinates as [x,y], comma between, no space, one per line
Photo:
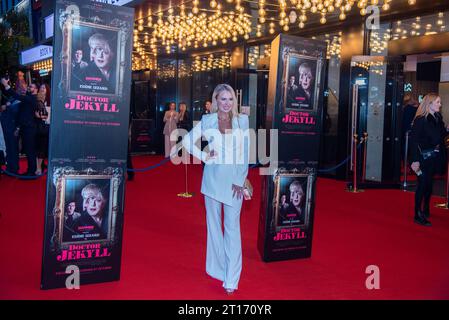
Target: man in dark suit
[27,122]
[8,118]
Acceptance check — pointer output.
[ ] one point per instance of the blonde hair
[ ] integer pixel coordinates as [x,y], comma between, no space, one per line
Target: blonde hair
[88,191]
[182,112]
[91,188]
[219,89]
[424,107]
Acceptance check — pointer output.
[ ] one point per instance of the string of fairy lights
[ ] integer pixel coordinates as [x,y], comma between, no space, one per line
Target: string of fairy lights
[403,29]
[46,65]
[210,23]
[375,67]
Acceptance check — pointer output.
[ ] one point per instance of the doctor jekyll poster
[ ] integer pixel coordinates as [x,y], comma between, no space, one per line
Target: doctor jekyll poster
[88,142]
[294,108]
[295,98]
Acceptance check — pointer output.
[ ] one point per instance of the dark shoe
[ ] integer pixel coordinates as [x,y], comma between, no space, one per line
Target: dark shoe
[426,212]
[421,219]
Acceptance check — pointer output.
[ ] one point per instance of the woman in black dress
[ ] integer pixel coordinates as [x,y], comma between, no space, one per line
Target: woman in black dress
[427,152]
[184,117]
[42,115]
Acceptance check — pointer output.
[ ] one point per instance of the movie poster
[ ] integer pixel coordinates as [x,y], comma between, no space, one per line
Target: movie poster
[291,214]
[292,194]
[300,91]
[294,108]
[91,83]
[295,98]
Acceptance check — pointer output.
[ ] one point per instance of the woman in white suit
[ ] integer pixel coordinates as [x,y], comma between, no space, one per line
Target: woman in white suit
[225,171]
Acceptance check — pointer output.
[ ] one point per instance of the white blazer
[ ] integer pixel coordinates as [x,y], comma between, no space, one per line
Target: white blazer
[231,165]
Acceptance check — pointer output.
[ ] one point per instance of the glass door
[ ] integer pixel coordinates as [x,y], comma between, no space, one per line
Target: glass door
[247,91]
[377,90]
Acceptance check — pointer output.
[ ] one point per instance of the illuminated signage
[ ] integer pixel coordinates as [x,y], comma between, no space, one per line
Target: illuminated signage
[35,54]
[49,21]
[408,87]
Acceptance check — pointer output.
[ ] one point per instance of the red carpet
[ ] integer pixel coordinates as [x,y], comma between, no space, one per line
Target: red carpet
[164,245]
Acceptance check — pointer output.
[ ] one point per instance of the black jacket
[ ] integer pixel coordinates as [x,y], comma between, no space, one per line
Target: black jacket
[427,133]
[185,122]
[27,108]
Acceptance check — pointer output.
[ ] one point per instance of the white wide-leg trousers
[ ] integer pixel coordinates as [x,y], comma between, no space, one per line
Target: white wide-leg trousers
[224,250]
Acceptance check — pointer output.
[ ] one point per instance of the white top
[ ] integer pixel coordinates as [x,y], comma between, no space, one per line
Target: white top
[231,164]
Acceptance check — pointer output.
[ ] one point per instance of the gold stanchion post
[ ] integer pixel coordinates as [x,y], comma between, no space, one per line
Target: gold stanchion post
[185,194]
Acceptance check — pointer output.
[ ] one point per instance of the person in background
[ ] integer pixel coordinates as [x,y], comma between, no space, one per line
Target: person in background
[171,119]
[20,85]
[427,153]
[207,107]
[184,122]
[43,127]
[27,122]
[8,119]
[184,117]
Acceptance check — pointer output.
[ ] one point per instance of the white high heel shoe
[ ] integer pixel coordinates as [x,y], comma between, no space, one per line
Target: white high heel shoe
[229,291]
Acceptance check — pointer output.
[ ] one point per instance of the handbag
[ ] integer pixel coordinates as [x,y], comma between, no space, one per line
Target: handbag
[428,153]
[247,190]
